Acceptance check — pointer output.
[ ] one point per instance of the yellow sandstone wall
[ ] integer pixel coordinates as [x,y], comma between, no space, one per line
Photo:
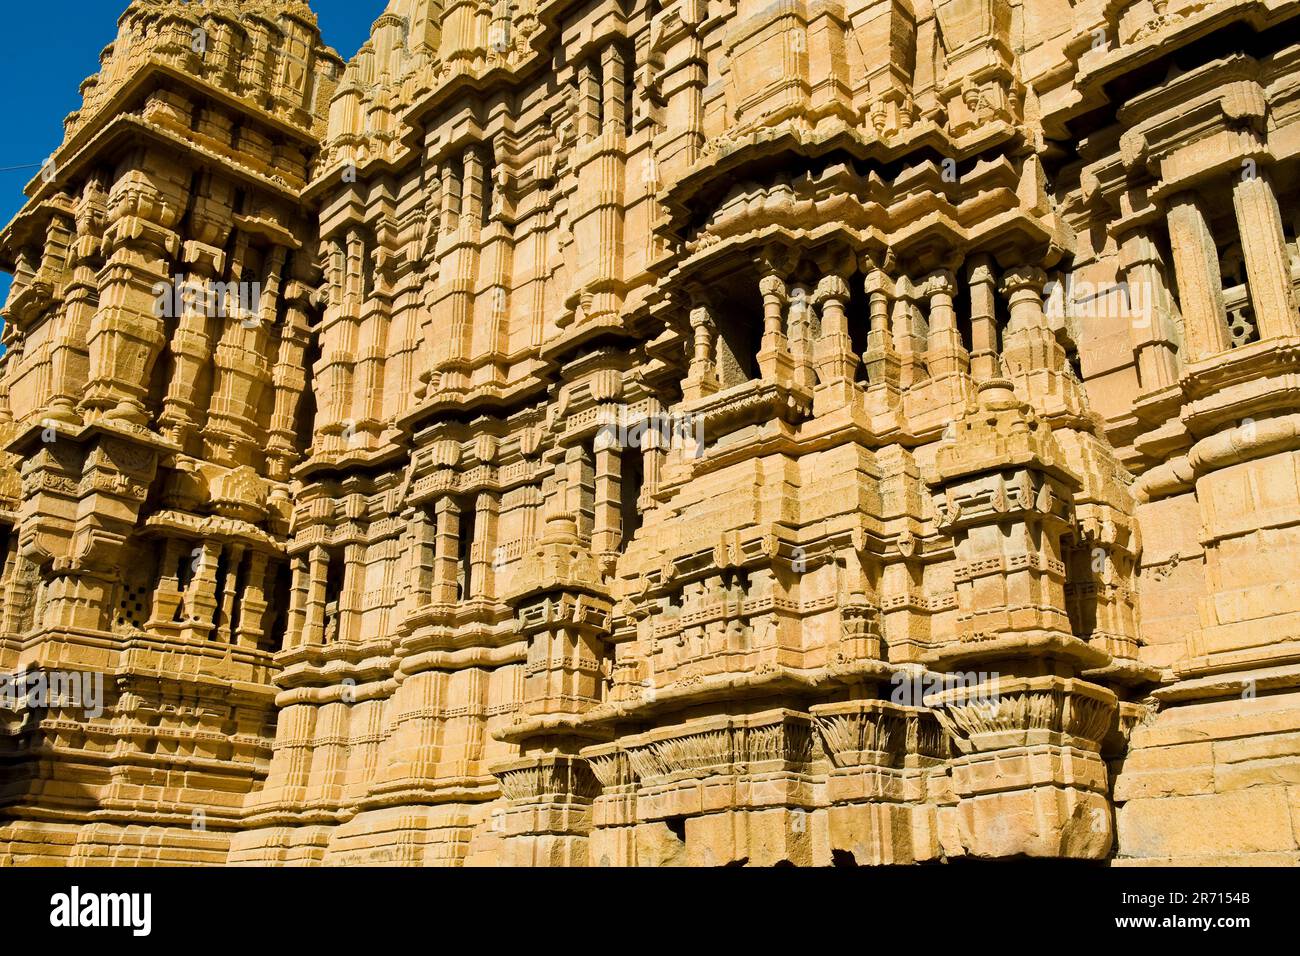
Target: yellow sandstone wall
[661,433]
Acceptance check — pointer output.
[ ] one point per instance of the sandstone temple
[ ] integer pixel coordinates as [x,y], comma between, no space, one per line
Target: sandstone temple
[660,432]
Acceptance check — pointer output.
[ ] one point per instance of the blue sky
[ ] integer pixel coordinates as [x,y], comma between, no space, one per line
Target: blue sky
[48,48]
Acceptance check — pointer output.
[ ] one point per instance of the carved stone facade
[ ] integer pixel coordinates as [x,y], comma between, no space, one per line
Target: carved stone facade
[660,433]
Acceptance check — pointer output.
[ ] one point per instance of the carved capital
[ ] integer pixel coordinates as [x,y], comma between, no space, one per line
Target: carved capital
[940,282]
[831,289]
[877,280]
[1024,277]
[773,286]
[1132,149]
[701,318]
[981,273]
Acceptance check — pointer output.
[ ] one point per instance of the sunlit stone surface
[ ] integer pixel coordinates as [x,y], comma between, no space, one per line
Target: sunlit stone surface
[660,433]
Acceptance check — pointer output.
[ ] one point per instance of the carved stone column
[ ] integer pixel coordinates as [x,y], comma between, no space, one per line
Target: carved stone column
[565,611]
[801,320]
[774,361]
[446,562]
[243,365]
[833,354]
[606,534]
[300,591]
[1200,285]
[1151,310]
[487,505]
[547,816]
[289,380]
[203,600]
[351,601]
[314,615]
[909,334]
[452,178]
[127,334]
[228,594]
[985,362]
[944,353]
[880,753]
[1030,780]
[881,358]
[1268,262]
[181,413]
[1028,343]
[422,542]
[69,358]
[702,378]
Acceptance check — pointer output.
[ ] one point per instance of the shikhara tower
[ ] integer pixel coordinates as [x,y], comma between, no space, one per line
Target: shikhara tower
[370,582]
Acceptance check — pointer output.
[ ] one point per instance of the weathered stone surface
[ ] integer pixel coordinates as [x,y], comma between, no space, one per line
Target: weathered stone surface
[659,434]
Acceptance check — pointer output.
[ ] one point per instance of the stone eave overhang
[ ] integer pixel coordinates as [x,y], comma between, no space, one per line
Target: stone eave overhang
[1003,235]
[543,44]
[602,722]
[1182,91]
[25,442]
[717,171]
[479,401]
[319,468]
[464,82]
[1089,87]
[122,128]
[112,124]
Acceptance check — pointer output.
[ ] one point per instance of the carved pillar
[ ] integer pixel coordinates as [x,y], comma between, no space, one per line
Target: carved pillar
[800,321]
[455,292]
[229,595]
[351,600]
[703,376]
[1028,343]
[1151,308]
[566,619]
[423,549]
[881,359]
[69,358]
[289,381]
[774,361]
[1200,285]
[984,360]
[606,533]
[168,606]
[451,194]
[580,489]
[476,168]
[317,583]
[909,334]
[944,354]
[243,367]
[252,604]
[589,97]
[1268,263]
[597,205]
[127,335]
[834,358]
[183,409]
[487,506]
[614,93]
[1029,779]
[299,595]
[203,600]
[547,818]
[372,355]
[447,551]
